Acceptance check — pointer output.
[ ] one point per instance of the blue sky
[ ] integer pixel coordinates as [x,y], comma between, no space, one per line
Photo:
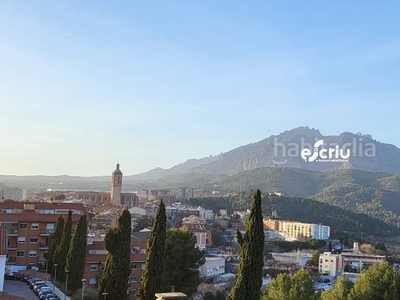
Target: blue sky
[152,84]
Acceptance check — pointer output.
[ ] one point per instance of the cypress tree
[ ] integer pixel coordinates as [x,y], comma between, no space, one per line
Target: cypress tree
[249,279]
[117,270]
[62,249]
[54,241]
[76,255]
[152,274]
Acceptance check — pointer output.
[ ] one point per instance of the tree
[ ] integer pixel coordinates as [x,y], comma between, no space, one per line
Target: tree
[279,288]
[54,241]
[142,223]
[60,256]
[378,282]
[152,274]
[340,290]
[288,287]
[182,262]
[117,269]
[76,255]
[380,249]
[249,279]
[217,237]
[314,261]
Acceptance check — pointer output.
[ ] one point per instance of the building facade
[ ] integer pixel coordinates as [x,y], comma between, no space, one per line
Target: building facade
[29,225]
[294,230]
[96,258]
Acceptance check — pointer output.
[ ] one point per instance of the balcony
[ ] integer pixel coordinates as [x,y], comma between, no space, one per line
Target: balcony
[11,246]
[46,232]
[12,231]
[43,246]
[11,259]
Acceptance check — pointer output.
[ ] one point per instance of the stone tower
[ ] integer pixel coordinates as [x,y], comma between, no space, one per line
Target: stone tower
[116,186]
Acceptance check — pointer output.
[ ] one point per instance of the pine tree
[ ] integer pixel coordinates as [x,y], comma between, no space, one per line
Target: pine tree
[182,262]
[62,249]
[249,280]
[54,241]
[381,281]
[117,269]
[340,290]
[76,255]
[152,274]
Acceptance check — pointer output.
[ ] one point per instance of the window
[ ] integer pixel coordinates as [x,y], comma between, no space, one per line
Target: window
[21,240]
[34,240]
[32,253]
[22,225]
[20,253]
[35,226]
[134,266]
[92,281]
[94,268]
[143,266]
[133,279]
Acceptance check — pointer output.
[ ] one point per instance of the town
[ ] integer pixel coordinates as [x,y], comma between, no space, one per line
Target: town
[29,219]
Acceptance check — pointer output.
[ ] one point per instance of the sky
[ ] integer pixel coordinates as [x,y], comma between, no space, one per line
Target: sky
[85,84]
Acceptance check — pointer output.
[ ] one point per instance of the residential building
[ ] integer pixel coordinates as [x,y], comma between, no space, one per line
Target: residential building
[29,225]
[96,257]
[294,230]
[212,268]
[200,229]
[15,194]
[338,262]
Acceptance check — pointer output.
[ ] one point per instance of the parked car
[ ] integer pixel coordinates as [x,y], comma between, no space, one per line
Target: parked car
[13,276]
[43,291]
[27,277]
[50,296]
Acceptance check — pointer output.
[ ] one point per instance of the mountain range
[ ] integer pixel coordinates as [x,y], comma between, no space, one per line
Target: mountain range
[284,150]
[350,170]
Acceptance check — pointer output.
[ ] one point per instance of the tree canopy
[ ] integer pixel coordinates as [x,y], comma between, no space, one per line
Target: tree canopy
[54,241]
[249,278]
[60,256]
[288,287]
[378,282]
[182,262]
[117,269]
[76,255]
[340,290]
[155,256]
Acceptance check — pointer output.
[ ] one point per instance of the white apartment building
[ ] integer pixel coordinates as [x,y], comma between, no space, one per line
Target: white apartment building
[15,194]
[213,267]
[294,230]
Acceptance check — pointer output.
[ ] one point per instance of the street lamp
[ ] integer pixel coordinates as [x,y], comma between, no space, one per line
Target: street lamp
[66,284]
[105,295]
[47,263]
[83,287]
[55,276]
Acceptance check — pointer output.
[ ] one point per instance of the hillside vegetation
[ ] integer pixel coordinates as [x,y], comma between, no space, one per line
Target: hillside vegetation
[306,210]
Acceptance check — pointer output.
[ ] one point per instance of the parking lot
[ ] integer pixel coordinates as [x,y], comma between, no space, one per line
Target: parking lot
[19,288]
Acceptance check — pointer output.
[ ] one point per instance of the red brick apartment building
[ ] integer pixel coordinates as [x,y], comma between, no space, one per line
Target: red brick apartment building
[96,257]
[29,225]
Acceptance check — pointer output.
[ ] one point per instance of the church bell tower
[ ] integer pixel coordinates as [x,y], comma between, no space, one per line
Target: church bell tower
[116,186]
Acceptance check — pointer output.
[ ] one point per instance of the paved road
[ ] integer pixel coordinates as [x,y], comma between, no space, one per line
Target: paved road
[19,288]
